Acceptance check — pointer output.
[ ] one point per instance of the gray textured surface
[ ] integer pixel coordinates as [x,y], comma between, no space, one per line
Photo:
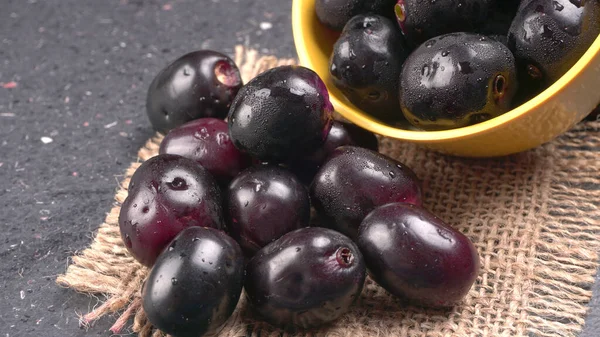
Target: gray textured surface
[81,69]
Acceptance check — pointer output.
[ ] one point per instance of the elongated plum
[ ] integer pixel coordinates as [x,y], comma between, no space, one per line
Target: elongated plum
[281,114]
[340,134]
[263,203]
[167,194]
[336,13]
[199,84]
[206,140]
[307,278]
[366,63]
[354,181]
[548,37]
[422,20]
[457,79]
[417,257]
[195,284]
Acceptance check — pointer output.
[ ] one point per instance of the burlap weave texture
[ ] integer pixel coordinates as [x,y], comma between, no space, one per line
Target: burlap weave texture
[534,218]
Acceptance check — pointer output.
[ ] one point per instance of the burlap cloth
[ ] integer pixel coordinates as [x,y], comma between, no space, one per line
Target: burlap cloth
[534,218]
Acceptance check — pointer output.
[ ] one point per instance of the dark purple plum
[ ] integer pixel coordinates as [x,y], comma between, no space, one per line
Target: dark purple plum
[457,79]
[422,20]
[195,284]
[281,114]
[336,13]
[307,278]
[354,181]
[197,85]
[500,18]
[366,63]
[340,134]
[206,140]
[167,194]
[263,203]
[548,37]
[417,257]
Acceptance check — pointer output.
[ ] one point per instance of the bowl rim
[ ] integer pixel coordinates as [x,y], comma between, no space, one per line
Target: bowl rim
[300,24]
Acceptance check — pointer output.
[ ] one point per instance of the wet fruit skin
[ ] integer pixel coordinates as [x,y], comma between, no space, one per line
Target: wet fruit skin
[197,85]
[417,257]
[354,181]
[264,203]
[422,20]
[167,194]
[455,80]
[500,18]
[281,114]
[366,63]
[305,279]
[548,37]
[336,13]
[340,134]
[206,141]
[195,284]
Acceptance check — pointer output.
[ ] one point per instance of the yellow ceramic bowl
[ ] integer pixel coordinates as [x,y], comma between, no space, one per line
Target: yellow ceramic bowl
[539,120]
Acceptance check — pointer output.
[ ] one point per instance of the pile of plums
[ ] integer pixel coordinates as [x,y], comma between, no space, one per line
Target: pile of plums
[446,64]
[226,206]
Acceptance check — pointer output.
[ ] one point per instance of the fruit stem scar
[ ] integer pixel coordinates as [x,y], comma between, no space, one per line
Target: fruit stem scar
[344,256]
[227,74]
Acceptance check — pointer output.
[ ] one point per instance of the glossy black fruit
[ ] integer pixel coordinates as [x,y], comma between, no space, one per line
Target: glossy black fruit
[422,20]
[416,256]
[305,279]
[281,114]
[354,181]
[455,80]
[167,194]
[366,64]
[336,13]
[195,284]
[500,18]
[206,141]
[548,37]
[264,203]
[199,84]
[340,134]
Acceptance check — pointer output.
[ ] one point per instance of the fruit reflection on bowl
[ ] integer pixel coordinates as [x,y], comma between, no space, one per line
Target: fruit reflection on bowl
[539,120]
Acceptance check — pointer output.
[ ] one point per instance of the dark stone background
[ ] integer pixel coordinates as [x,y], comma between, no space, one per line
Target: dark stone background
[80,70]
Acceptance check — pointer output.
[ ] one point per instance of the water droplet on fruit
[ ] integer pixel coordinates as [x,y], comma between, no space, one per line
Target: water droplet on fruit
[174,281]
[146,209]
[558,6]
[445,53]
[178,184]
[547,32]
[134,205]
[298,249]
[257,187]
[392,174]
[186,71]
[195,239]
[172,246]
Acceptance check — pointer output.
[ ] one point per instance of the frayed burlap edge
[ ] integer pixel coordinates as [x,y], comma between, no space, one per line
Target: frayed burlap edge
[534,218]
